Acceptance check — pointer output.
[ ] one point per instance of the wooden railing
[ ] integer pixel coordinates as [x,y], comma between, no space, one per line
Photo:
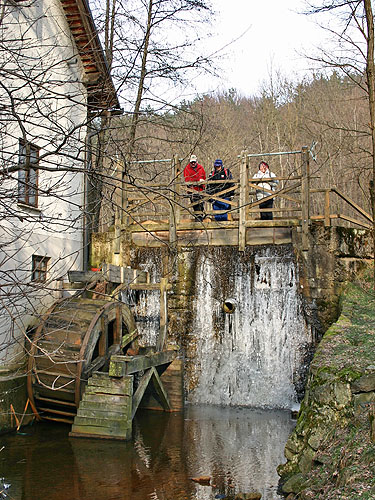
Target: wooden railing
[168,205]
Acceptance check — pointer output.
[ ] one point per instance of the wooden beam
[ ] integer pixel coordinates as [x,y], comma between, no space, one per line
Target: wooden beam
[129,337]
[148,286]
[163,315]
[150,375]
[353,204]
[327,219]
[244,200]
[174,211]
[142,386]
[160,391]
[133,364]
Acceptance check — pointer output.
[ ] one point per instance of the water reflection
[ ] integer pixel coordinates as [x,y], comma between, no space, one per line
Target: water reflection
[238,448]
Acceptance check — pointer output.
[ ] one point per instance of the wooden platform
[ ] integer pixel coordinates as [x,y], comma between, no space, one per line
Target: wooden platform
[216,234]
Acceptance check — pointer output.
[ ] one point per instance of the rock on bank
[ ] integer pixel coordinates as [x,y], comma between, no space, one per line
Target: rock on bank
[330,454]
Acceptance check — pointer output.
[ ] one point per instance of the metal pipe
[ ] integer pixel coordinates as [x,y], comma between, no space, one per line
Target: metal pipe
[229,306]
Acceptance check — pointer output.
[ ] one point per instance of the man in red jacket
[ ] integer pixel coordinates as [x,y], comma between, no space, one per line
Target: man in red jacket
[194,172]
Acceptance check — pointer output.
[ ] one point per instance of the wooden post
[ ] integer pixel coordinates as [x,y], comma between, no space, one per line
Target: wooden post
[174,211]
[305,197]
[117,241]
[163,315]
[244,200]
[327,218]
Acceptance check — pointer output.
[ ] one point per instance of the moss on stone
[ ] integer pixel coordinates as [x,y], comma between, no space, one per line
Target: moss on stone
[332,427]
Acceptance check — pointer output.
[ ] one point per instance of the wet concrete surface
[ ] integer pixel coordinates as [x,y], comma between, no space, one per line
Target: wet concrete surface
[238,448]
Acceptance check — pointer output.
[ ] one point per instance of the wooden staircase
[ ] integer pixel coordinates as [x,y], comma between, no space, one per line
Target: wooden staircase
[105,408]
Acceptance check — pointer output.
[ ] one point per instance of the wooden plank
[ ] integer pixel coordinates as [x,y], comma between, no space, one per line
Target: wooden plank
[56,412]
[83,432]
[107,412]
[119,400]
[84,276]
[47,363]
[269,236]
[57,419]
[273,223]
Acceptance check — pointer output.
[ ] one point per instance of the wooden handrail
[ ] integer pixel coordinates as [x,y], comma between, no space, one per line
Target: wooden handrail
[353,204]
[161,205]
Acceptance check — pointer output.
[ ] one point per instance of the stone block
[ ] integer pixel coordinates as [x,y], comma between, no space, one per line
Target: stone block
[342,395]
[317,436]
[366,383]
[306,459]
[294,484]
[13,391]
[364,398]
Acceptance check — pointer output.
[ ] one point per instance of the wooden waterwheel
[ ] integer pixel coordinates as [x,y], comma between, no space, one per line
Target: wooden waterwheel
[76,337]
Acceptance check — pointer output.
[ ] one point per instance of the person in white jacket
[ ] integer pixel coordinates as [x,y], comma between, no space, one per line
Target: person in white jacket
[264,172]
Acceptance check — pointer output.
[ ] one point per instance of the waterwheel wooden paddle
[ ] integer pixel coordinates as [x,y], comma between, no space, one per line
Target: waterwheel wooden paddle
[76,337]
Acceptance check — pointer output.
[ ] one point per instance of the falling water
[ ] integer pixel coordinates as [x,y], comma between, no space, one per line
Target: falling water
[146,309]
[254,356]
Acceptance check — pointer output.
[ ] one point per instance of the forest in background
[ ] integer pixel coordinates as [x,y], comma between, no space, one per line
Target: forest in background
[329,113]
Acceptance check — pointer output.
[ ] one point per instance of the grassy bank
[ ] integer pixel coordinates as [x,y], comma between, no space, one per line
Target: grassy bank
[330,454]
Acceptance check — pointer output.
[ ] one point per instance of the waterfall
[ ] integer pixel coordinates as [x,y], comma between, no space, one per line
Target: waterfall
[253,356]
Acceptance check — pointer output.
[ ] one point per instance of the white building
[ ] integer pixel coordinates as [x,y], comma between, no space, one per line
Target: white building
[53,82]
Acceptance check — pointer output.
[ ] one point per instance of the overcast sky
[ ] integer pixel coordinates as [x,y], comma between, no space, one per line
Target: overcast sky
[275,33]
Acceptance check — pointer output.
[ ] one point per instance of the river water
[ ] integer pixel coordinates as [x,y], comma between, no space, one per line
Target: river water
[239,448]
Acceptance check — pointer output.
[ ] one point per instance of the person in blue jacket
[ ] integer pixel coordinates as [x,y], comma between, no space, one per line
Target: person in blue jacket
[220,173]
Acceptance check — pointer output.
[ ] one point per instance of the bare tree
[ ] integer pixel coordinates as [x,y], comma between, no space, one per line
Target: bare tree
[353,33]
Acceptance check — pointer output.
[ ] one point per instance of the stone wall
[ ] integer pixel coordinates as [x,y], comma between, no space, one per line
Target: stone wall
[13,392]
[336,256]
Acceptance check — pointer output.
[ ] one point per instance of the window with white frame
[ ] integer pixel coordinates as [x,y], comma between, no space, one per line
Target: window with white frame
[28,173]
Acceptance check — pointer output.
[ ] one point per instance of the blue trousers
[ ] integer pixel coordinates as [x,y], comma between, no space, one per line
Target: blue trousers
[219,205]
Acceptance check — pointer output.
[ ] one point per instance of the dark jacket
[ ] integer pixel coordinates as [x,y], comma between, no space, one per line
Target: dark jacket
[220,175]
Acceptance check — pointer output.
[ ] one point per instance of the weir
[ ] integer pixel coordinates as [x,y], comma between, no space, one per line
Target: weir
[253,353]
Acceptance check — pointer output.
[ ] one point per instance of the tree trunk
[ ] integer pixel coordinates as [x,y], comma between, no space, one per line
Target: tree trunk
[370,73]
[142,77]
